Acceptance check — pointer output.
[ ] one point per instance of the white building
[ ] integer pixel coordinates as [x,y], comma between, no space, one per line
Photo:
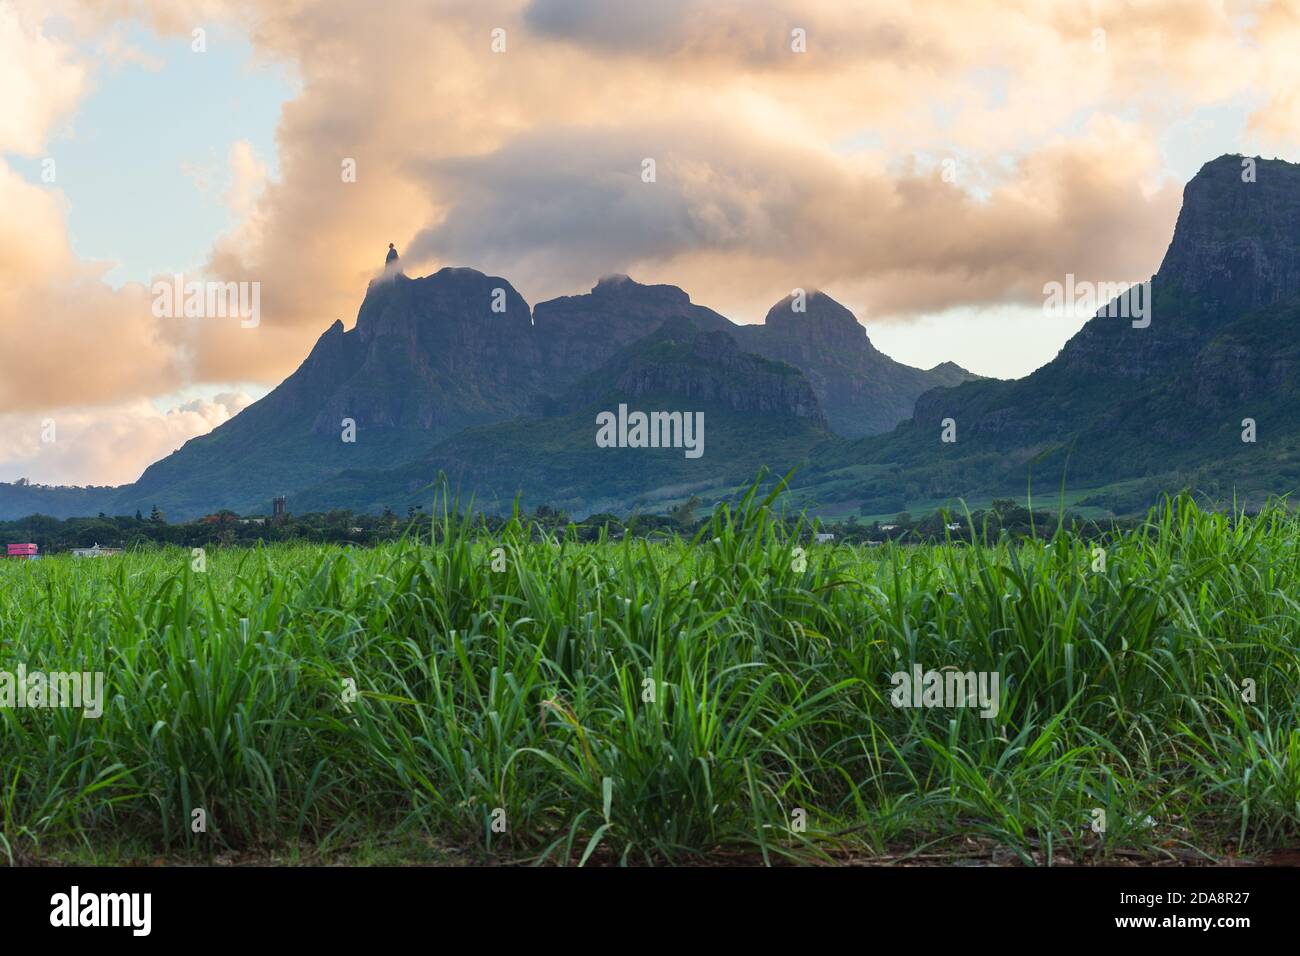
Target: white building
[95,552]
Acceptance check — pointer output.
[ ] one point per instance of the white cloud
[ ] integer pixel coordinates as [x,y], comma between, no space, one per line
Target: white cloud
[105,444]
[40,80]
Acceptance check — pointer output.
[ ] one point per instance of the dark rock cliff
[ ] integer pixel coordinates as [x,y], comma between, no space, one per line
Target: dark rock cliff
[862,390]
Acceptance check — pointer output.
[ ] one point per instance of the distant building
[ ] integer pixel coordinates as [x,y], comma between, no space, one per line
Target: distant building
[889,527]
[823,537]
[95,552]
[25,552]
[278,508]
[954,526]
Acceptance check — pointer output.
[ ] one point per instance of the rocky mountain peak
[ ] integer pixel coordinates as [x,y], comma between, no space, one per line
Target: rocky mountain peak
[433,356]
[822,317]
[1236,246]
[450,297]
[666,296]
[681,360]
[860,389]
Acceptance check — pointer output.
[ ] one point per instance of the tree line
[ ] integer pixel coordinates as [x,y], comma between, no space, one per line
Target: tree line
[341,526]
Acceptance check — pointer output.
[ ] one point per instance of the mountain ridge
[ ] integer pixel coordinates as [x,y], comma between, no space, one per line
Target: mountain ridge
[1201,396]
[1160,406]
[751,409]
[432,356]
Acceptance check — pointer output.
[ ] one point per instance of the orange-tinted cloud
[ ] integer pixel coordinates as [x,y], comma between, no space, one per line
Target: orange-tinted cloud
[774,167]
[104,444]
[65,337]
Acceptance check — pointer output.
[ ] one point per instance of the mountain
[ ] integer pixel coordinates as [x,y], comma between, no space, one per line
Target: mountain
[453,372]
[1125,411]
[20,498]
[579,333]
[426,358]
[863,391]
[432,357]
[750,412]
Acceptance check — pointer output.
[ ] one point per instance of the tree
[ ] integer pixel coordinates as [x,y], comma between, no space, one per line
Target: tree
[156,516]
[550,517]
[683,515]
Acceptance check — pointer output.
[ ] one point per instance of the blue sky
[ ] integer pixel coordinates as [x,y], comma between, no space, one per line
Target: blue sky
[143,163]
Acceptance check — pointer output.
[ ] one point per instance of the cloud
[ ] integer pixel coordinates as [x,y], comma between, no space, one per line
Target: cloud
[248,177]
[746,220]
[1276,36]
[117,51]
[527,163]
[40,79]
[757,31]
[113,444]
[65,337]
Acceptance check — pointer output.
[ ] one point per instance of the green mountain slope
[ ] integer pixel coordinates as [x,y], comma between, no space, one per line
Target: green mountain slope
[1154,408]
[756,413]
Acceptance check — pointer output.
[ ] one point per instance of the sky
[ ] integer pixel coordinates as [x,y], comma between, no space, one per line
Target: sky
[930,164]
